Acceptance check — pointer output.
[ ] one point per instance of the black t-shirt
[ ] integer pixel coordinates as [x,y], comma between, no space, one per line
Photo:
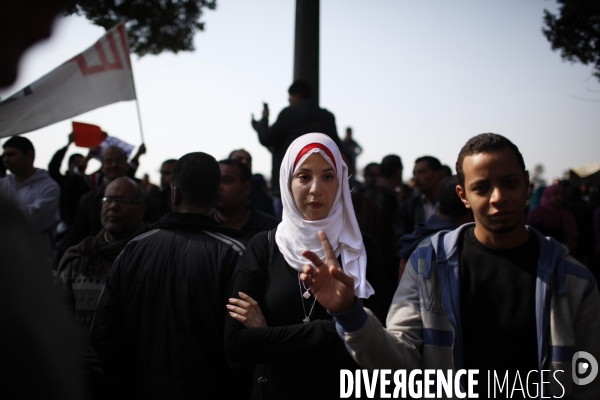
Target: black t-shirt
[497,305]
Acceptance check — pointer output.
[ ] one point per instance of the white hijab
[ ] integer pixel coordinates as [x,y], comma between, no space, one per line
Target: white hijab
[296,234]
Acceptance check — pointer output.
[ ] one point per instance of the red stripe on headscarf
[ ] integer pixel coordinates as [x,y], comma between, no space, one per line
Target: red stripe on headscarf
[311,146]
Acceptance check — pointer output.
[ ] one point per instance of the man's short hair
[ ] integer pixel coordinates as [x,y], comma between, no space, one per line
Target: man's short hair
[115,147]
[140,192]
[447,170]
[236,150]
[198,176]
[368,168]
[485,143]
[245,174]
[433,163]
[450,202]
[20,143]
[302,88]
[170,161]
[390,165]
[73,157]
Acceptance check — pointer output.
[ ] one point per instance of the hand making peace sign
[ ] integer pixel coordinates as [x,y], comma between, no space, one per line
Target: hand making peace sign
[327,280]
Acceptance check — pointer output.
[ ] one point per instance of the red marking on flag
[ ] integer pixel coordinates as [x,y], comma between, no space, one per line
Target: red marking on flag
[105,65]
[124,44]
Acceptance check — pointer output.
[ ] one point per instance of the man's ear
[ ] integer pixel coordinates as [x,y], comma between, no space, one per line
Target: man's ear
[175,195]
[528,183]
[460,191]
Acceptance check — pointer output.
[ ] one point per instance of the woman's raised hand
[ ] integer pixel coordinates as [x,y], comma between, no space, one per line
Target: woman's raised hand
[327,280]
[247,311]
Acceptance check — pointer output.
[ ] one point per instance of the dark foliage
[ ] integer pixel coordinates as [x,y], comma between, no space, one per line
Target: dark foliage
[575,31]
[153,26]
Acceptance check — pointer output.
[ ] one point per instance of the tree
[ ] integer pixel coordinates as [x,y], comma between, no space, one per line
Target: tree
[153,26]
[575,31]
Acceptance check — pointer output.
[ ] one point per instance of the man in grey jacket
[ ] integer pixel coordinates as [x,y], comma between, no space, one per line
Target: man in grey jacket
[495,296]
[33,190]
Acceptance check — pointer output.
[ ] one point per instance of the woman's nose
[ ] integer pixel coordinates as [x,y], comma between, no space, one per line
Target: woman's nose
[315,187]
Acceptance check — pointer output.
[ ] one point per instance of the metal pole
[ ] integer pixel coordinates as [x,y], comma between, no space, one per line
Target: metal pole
[306,44]
[137,103]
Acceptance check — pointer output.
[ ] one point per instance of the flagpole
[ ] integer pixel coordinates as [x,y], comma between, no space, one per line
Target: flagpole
[137,103]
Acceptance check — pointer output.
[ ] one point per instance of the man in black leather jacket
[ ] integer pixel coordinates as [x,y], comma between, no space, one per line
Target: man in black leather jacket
[158,327]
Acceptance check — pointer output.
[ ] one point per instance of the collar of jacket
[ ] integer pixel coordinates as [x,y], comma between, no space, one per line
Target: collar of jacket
[92,249]
[190,221]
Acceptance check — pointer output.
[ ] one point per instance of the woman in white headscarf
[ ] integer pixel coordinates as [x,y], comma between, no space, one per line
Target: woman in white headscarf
[273,318]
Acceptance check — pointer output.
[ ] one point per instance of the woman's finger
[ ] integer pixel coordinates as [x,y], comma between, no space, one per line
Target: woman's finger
[240,303]
[341,276]
[313,258]
[237,310]
[238,317]
[249,299]
[329,253]
[308,274]
[310,271]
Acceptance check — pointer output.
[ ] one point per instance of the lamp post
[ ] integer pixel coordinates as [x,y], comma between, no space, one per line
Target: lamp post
[306,44]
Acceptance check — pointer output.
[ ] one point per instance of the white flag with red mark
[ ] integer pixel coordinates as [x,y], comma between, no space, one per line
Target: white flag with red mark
[99,76]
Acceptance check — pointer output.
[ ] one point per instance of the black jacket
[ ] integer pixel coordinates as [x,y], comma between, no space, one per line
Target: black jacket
[291,348]
[293,122]
[159,323]
[40,351]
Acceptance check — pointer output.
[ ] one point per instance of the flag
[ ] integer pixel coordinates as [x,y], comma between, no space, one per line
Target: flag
[87,135]
[99,76]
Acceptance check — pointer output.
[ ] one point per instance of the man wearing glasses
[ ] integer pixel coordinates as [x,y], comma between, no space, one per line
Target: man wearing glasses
[87,218]
[83,268]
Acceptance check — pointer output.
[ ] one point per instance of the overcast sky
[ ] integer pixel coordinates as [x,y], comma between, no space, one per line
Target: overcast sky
[412,78]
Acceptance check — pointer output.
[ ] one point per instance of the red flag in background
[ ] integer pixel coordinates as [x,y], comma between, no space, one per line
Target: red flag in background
[87,135]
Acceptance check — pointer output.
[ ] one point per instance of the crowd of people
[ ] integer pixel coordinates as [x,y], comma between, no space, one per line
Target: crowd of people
[216,284]
[178,286]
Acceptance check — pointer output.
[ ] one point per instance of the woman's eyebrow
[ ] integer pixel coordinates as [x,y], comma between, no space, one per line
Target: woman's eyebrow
[310,170]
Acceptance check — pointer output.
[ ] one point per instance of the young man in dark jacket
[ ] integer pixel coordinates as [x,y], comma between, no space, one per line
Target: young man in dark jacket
[158,327]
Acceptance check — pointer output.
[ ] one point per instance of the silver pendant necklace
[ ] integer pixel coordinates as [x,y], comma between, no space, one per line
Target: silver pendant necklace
[306,295]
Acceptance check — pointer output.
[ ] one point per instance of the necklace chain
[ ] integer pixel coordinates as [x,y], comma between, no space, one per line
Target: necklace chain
[302,297]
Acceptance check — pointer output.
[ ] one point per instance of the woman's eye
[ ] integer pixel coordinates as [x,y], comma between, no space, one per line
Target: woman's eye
[303,177]
[329,177]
